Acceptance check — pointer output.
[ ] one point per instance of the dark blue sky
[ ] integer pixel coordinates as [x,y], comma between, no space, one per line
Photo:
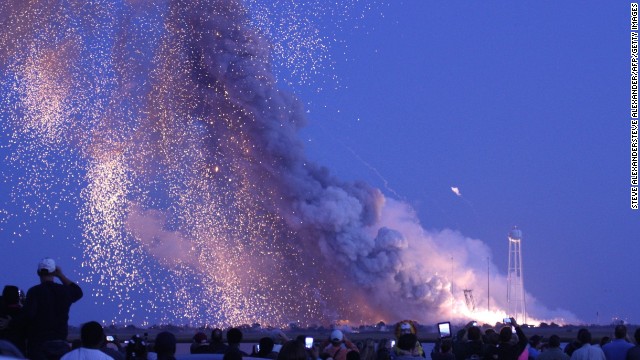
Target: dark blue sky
[523,106]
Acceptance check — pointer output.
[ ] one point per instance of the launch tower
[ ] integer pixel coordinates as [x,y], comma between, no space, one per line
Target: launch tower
[515,284]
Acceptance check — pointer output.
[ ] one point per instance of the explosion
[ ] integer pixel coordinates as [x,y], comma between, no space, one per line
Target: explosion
[164,121]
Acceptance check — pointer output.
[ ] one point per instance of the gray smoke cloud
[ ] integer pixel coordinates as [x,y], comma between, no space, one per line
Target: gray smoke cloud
[149,228]
[193,164]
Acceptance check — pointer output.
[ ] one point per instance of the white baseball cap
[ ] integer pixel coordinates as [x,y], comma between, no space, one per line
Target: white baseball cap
[336,335]
[47,264]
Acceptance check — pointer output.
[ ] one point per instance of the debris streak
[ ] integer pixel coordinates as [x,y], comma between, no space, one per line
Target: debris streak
[161,127]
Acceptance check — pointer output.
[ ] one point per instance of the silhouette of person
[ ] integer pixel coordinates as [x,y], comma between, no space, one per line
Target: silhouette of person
[92,336]
[46,312]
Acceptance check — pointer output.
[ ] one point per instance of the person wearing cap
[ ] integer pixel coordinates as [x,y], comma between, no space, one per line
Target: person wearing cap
[339,346]
[46,312]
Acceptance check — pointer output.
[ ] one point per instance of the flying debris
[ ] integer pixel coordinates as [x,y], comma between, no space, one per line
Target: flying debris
[182,159]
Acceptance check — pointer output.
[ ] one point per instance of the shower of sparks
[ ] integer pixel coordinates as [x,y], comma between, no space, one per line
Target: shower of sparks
[151,110]
[156,137]
[301,34]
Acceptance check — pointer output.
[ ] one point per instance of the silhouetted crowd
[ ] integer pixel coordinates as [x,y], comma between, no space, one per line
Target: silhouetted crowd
[35,326]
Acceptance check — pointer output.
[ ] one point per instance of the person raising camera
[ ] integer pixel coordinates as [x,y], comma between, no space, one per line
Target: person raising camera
[339,346]
[508,349]
[46,312]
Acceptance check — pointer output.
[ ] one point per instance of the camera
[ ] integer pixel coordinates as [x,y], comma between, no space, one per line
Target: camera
[136,347]
[110,338]
[506,320]
[393,343]
[308,342]
[474,323]
[444,329]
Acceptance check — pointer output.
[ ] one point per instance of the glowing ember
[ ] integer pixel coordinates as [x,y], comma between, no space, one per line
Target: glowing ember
[197,204]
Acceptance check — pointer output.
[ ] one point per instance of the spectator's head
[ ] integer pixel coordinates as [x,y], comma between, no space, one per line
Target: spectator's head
[234,336]
[584,336]
[405,327]
[11,295]
[407,342]
[336,337]
[492,338]
[46,267]
[266,345]
[165,345]
[216,335]
[535,340]
[474,333]
[506,334]
[620,332]
[200,338]
[293,350]
[92,335]
[580,331]
[604,340]
[636,335]
[554,341]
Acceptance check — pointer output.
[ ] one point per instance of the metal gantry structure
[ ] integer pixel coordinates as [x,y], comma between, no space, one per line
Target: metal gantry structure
[468,298]
[515,283]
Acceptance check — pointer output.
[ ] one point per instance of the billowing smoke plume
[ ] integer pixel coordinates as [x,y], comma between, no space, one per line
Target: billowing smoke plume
[197,202]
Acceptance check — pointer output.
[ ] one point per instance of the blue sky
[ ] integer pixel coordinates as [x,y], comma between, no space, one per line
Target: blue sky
[522,106]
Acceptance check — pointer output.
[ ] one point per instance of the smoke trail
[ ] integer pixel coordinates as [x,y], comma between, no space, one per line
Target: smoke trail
[197,203]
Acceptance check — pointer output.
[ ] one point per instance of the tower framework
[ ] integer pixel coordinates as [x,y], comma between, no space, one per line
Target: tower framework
[468,298]
[515,283]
